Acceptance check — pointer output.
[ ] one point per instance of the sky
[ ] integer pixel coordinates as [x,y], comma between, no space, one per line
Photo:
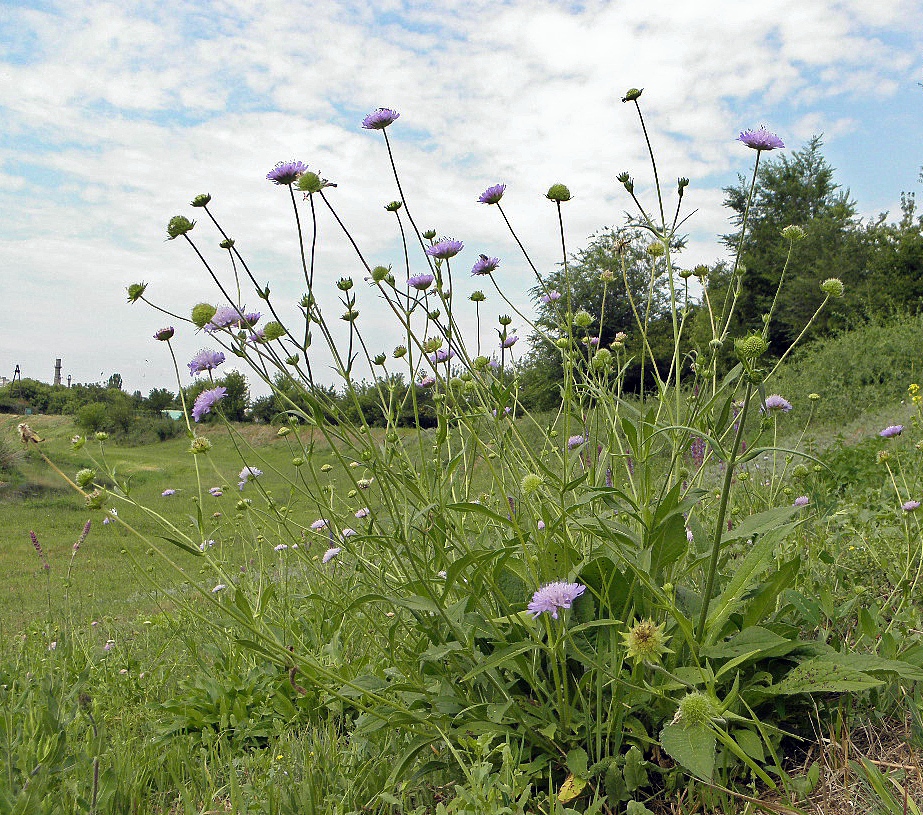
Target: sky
[115,115]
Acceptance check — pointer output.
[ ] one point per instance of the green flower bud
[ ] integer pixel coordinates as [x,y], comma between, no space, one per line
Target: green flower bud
[793,233]
[394,206]
[531,483]
[294,359]
[694,708]
[626,180]
[96,499]
[832,286]
[478,297]
[701,271]
[227,243]
[602,359]
[632,94]
[800,471]
[751,348]
[562,343]
[200,445]
[432,344]
[558,192]
[393,437]
[283,431]
[480,363]
[273,331]
[310,183]
[84,477]
[243,505]
[350,316]
[200,200]
[744,476]
[178,225]
[429,234]
[135,291]
[102,436]
[504,319]
[681,184]
[379,359]
[399,352]
[434,314]
[583,319]
[202,314]
[345,283]
[813,396]
[656,250]
[326,468]
[297,462]
[645,641]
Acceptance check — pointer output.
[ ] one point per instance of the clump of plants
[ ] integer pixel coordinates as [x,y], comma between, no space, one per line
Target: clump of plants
[592,602]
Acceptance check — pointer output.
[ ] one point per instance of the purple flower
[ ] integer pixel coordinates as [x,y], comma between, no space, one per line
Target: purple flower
[492,194]
[205,360]
[167,493]
[776,402]
[540,525]
[363,513]
[223,317]
[575,441]
[551,296]
[689,536]
[441,355]
[426,381]
[553,596]
[249,319]
[697,451]
[761,139]
[509,341]
[219,587]
[286,172]
[165,333]
[910,506]
[445,249]
[319,524]
[380,119]
[891,431]
[485,265]
[348,532]
[421,282]
[330,554]
[280,547]
[216,491]
[206,400]
[249,473]
[801,501]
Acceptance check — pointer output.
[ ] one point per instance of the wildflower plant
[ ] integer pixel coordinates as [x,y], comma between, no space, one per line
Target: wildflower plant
[588,584]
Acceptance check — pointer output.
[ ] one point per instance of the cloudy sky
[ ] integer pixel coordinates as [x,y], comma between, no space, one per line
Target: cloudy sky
[117,114]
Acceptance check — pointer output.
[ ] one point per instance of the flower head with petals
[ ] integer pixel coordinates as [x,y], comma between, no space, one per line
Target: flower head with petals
[910,506]
[206,400]
[492,194]
[551,297]
[776,402]
[379,119]
[761,139]
[575,441]
[330,554]
[205,360]
[485,265]
[421,282]
[509,341]
[553,596]
[445,249]
[891,431]
[286,172]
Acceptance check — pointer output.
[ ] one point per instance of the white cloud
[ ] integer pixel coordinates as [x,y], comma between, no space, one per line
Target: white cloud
[133,110]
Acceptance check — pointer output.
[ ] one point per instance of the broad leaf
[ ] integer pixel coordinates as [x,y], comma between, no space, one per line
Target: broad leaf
[693,747]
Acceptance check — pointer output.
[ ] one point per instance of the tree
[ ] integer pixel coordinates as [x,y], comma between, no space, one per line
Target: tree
[794,190]
[115,381]
[160,399]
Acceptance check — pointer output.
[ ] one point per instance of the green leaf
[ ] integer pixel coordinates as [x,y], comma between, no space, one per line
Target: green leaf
[187,547]
[820,675]
[498,658]
[753,640]
[634,772]
[577,762]
[762,522]
[750,743]
[692,747]
[764,599]
[637,808]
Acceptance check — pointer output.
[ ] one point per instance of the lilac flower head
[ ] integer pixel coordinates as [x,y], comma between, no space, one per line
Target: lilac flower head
[319,524]
[441,355]
[427,381]
[205,360]
[347,532]
[206,400]
[249,473]
[216,491]
[551,597]
[421,282]
[330,554]
[363,513]
[510,341]
[910,506]
[445,249]
[776,402]
[801,501]
[167,493]
[761,139]
[492,194]
[165,333]
[379,119]
[286,172]
[485,265]
[219,587]
[551,296]
[575,441]
[540,525]
[891,431]
[223,317]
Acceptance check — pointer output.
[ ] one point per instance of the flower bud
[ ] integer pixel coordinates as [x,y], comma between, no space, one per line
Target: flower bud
[480,363]
[632,94]
[350,316]
[685,274]
[531,483]
[200,200]
[432,344]
[136,291]
[681,184]
[96,499]
[562,343]
[399,352]
[178,225]
[558,192]
[429,234]
[701,271]
[504,319]
[645,641]
[434,314]
[273,331]
[84,477]
[345,283]
[656,250]
[478,297]
[202,314]
[751,348]
[164,333]
[379,273]
[379,359]
[793,233]
[200,445]
[227,243]
[695,708]
[393,206]
[310,182]
[583,319]
[294,359]
[101,436]
[832,286]
[813,396]
[602,359]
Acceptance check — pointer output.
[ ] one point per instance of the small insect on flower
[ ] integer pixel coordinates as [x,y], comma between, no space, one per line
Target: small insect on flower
[485,265]
[891,431]
[553,596]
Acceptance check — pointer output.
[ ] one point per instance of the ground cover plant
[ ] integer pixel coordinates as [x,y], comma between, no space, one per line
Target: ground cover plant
[611,607]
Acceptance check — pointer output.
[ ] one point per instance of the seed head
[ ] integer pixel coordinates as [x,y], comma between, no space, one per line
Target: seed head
[202,314]
[178,225]
[695,708]
[201,200]
[632,94]
[832,286]
[751,348]
[645,641]
[136,291]
[558,192]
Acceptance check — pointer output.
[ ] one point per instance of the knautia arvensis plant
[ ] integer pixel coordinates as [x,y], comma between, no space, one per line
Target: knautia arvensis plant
[593,584]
